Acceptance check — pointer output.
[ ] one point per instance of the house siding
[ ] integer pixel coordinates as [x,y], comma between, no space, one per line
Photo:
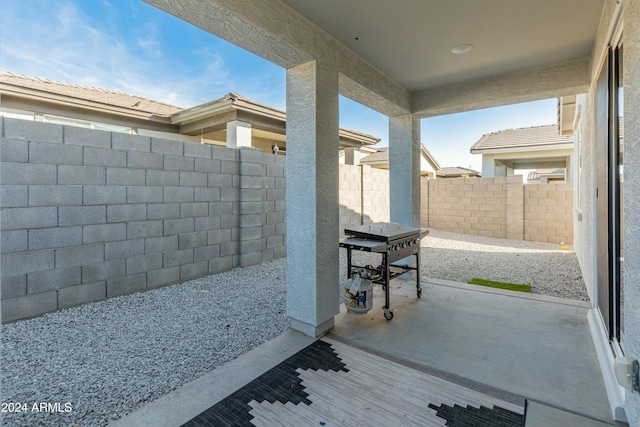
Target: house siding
[631,37]
[586,188]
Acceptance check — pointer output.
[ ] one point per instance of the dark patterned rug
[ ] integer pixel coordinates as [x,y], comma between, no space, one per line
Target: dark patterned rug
[330,383]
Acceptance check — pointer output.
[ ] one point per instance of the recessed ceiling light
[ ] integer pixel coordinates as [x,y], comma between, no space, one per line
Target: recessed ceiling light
[461,48]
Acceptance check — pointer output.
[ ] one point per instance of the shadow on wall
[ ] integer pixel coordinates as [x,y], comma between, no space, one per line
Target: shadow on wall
[349,217]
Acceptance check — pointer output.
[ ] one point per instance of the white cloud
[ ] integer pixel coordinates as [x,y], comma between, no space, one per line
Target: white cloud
[59,42]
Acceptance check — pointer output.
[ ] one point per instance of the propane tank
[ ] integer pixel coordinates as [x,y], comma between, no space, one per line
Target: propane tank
[358,296]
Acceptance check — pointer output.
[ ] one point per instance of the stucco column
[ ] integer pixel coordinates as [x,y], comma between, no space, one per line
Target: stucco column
[488,166]
[312,197]
[352,156]
[404,169]
[238,134]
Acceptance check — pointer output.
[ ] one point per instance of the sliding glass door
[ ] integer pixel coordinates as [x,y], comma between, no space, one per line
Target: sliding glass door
[610,193]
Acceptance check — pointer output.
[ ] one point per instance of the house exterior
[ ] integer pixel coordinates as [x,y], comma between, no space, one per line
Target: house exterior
[538,147]
[583,48]
[233,120]
[429,167]
[353,49]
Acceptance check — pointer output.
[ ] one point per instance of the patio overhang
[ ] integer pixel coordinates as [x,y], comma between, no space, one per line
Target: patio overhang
[401,62]
[333,48]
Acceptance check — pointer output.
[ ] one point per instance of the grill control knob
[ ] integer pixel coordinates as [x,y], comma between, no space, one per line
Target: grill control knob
[416,241]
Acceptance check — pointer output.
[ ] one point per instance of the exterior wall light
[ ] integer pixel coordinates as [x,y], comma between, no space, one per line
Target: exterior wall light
[461,49]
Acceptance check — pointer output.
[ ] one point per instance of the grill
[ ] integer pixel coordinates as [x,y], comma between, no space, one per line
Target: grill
[394,242]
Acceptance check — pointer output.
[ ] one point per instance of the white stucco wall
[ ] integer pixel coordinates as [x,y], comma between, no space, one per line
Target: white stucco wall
[425,166]
[585,203]
[631,37]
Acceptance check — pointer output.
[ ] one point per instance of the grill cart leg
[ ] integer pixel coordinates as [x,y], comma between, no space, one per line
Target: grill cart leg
[418,287]
[388,313]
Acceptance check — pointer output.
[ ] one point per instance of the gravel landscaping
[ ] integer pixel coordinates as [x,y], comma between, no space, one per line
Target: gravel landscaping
[98,362]
[545,266]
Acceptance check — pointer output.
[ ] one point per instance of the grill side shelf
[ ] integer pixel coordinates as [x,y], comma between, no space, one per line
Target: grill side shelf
[361,244]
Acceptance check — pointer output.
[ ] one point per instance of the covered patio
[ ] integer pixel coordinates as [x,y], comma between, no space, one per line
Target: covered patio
[425,58]
[534,347]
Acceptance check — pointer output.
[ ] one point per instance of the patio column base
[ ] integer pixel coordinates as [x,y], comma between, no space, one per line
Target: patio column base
[311,330]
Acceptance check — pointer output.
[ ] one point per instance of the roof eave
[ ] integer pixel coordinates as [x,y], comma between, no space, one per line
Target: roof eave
[539,147]
[360,138]
[71,101]
[430,158]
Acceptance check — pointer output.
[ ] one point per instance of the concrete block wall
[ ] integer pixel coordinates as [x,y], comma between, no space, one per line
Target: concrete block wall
[500,207]
[350,196]
[548,213]
[88,215]
[363,194]
[470,206]
[376,190]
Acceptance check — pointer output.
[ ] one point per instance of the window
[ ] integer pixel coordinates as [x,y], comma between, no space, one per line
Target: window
[17,114]
[67,121]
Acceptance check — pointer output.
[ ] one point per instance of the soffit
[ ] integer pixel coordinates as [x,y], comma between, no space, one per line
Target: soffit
[411,40]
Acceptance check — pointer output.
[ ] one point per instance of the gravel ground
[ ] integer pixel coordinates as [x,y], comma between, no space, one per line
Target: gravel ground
[109,358]
[545,266]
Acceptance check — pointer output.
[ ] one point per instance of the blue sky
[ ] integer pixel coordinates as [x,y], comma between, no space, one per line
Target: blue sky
[130,46]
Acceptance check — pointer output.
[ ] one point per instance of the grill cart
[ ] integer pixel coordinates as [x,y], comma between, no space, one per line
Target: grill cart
[394,242]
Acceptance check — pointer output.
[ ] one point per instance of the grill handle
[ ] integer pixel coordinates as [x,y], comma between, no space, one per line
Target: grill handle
[389,224]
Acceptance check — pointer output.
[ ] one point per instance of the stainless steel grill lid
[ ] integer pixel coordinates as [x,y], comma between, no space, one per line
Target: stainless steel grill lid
[382,231]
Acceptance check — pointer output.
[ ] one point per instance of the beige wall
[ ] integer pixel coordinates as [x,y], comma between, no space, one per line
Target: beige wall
[364,195]
[548,213]
[500,207]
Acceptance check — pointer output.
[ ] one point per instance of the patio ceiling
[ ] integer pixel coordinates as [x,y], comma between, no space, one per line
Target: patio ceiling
[411,41]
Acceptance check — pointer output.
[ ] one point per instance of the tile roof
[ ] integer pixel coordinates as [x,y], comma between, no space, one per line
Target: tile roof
[522,138]
[454,171]
[382,156]
[539,173]
[102,96]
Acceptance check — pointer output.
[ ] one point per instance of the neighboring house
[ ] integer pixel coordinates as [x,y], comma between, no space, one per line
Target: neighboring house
[232,121]
[458,172]
[428,165]
[538,147]
[543,176]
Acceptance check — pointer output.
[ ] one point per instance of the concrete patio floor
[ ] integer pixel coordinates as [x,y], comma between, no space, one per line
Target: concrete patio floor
[534,346]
